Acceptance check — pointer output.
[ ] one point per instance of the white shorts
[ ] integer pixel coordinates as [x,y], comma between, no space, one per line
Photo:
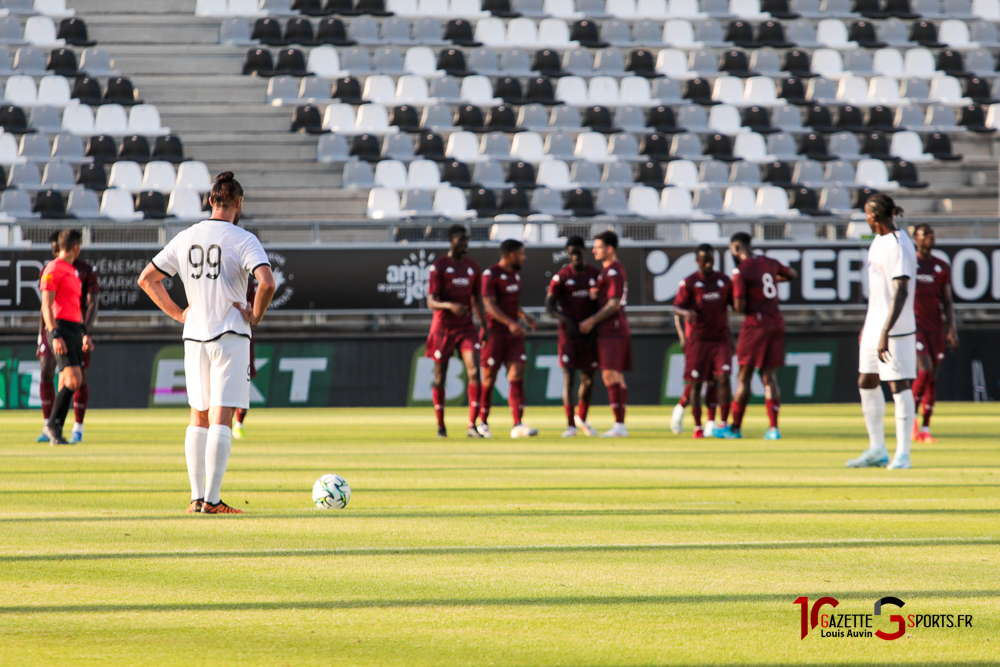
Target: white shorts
[218,372]
[902,364]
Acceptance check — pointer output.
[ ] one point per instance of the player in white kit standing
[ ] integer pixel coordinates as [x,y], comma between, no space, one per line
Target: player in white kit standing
[888,345]
[213,260]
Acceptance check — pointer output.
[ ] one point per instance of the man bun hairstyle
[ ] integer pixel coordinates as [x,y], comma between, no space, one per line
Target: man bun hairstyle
[883,207]
[456,230]
[69,239]
[608,238]
[226,191]
[510,246]
[574,242]
[742,238]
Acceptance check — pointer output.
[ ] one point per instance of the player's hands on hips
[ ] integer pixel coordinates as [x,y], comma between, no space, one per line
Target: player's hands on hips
[88,344]
[59,346]
[883,347]
[952,339]
[458,310]
[516,329]
[247,313]
[586,326]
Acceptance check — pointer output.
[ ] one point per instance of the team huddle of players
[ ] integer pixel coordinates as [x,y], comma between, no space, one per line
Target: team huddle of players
[589,305]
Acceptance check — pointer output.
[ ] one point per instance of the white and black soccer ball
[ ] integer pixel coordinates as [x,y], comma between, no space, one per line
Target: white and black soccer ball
[331,491]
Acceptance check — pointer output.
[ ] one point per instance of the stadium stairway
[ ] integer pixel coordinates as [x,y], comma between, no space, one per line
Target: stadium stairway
[174,60]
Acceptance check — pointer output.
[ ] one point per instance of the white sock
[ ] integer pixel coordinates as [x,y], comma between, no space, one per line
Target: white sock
[220,442]
[194,452]
[905,411]
[78,428]
[239,424]
[873,409]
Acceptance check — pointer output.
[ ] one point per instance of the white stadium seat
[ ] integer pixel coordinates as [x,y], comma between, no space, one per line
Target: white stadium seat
[193,175]
[159,176]
[126,175]
[144,119]
[185,205]
[119,205]
[111,119]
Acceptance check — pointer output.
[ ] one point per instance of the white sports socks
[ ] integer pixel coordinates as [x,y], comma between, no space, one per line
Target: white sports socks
[194,450]
[220,442]
[873,409]
[905,413]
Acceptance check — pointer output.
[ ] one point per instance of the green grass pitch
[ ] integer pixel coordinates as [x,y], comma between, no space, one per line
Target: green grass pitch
[655,550]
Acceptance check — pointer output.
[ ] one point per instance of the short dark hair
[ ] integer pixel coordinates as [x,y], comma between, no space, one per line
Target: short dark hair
[608,238]
[705,249]
[742,238]
[574,242]
[456,230]
[510,246]
[226,191]
[923,227]
[69,239]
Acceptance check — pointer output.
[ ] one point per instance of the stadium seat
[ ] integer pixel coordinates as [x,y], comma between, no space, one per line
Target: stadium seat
[383,204]
[185,205]
[151,204]
[126,175]
[41,31]
[68,148]
[644,202]
[83,203]
[909,146]
[17,204]
[159,176]
[29,61]
[119,205]
[193,175]
[740,201]
[53,91]
[24,176]
[134,148]
[62,62]
[46,119]
[210,8]
[20,90]
[34,148]
[874,174]
[78,120]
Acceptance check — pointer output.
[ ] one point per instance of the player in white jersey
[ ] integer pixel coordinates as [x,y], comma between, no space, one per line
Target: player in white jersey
[213,260]
[888,343]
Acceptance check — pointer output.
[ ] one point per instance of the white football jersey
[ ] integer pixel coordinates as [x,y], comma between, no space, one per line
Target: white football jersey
[213,259]
[890,256]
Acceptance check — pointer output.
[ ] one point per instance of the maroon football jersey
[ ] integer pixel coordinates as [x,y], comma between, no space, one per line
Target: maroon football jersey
[572,292]
[612,283]
[755,280]
[710,296]
[455,281]
[932,275]
[505,286]
[88,285]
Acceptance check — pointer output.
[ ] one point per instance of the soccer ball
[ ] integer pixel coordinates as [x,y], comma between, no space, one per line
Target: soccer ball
[331,491]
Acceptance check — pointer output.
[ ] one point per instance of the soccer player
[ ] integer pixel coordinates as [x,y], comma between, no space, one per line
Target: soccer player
[703,301]
[933,290]
[89,288]
[241,413]
[569,302]
[762,337]
[67,336]
[503,340]
[213,260]
[453,292]
[711,391]
[614,347]
[888,341]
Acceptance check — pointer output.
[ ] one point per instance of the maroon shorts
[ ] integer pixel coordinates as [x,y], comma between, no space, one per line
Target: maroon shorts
[45,352]
[502,347]
[614,353]
[706,359]
[442,344]
[931,344]
[578,353]
[761,346]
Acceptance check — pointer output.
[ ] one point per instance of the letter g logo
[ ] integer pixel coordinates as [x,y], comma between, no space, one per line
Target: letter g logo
[895,618]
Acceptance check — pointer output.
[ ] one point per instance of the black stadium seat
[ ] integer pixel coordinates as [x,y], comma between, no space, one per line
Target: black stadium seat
[406,118]
[735,62]
[868,8]
[499,8]
[372,7]
[901,9]
[453,62]
[939,145]
[813,146]
[135,148]
[819,118]
[267,31]
[152,205]
[501,118]
[979,90]
[168,148]
[650,173]
[93,176]
[50,204]
[521,174]
[540,91]
[457,173]
[905,173]
[662,119]
[772,33]
[102,148]
[548,62]
[307,118]
[925,34]
[598,119]
[291,62]
[797,63]
[699,91]
[430,146]
[740,33]
[580,202]
[332,31]
[309,7]
[483,202]
[881,118]
[863,32]
[777,173]
[119,90]
[974,118]
[952,63]
[792,90]
[258,62]
[720,147]
[656,146]
[641,62]
[757,119]
[460,32]
[876,145]
[63,62]
[807,201]
[514,201]
[342,7]
[299,31]
[74,31]
[509,90]
[347,89]
[779,9]
[850,119]
[470,117]
[13,119]
[87,90]
[588,33]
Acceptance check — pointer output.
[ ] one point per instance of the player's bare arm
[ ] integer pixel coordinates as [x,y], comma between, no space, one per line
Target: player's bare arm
[532,322]
[89,318]
[151,282]
[739,305]
[902,286]
[477,307]
[265,292]
[552,309]
[456,309]
[949,317]
[678,324]
[48,300]
[791,275]
[493,310]
[613,305]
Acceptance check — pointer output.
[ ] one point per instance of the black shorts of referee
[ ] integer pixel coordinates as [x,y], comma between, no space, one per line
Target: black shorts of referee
[72,335]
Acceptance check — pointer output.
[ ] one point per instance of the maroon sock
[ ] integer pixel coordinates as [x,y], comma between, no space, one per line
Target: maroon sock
[515,399]
[485,401]
[686,396]
[473,392]
[738,411]
[582,408]
[696,413]
[241,414]
[614,398]
[920,386]
[724,412]
[47,392]
[773,406]
[80,400]
[438,396]
[930,397]
[623,392]
[712,400]
[569,415]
